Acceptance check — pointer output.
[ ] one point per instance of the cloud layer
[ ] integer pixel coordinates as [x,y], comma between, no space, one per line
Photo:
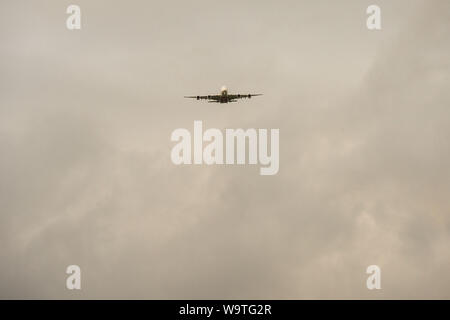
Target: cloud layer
[86,176]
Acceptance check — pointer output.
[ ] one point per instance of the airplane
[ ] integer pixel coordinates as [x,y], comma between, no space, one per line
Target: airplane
[223,97]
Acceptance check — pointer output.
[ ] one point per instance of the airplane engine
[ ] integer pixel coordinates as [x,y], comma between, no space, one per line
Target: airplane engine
[239,95]
[198,97]
[249,96]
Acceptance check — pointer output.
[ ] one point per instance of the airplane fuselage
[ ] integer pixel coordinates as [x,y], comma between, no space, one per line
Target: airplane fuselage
[223,95]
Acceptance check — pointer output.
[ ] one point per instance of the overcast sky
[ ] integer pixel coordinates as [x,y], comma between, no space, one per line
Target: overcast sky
[85,170]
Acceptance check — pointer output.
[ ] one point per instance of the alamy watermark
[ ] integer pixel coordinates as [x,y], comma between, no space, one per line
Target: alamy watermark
[374,280]
[74,280]
[235,140]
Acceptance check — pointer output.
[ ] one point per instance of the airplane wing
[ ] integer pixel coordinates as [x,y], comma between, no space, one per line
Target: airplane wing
[242,96]
[213,97]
